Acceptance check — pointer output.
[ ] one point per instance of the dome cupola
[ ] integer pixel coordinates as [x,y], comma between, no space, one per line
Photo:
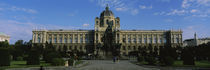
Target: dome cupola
[107,13]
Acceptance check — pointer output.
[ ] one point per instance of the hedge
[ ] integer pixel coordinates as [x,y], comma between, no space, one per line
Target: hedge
[4,57]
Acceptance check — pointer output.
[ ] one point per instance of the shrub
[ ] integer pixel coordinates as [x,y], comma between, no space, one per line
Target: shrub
[4,57]
[71,62]
[168,61]
[151,60]
[58,62]
[49,57]
[19,58]
[33,58]
[140,58]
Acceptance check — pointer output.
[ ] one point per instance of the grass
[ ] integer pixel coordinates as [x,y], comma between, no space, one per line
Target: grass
[22,64]
[180,64]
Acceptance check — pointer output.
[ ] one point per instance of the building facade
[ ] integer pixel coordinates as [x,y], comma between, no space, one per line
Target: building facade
[4,37]
[107,25]
[196,41]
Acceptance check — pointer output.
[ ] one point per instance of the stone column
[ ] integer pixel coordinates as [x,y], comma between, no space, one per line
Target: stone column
[126,38]
[33,38]
[73,38]
[52,38]
[158,41]
[137,38]
[83,35]
[36,38]
[131,37]
[44,37]
[142,38]
[57,36]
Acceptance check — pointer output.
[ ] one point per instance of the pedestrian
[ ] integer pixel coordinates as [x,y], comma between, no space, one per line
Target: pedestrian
[117,59]
[114,59]
[41,68]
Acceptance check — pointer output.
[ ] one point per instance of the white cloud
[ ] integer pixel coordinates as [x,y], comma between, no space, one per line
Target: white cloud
[194,11]
[204,2]
[7,7]
[73,13]
[134,11]
[190,8]
[23,30]
[145,7]
[169,20]
[177,12]
[14,8]
[165,0]
[201,30]
[195,3]
[121,9]
[118,5]
[85,25]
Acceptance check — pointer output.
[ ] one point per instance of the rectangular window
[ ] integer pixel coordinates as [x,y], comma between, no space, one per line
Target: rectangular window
[86,40]
[124,40]
[177,40]
[39,40]
[70,40]
[50,40]
[55,40]
[129,40]
[61,39]
[145,40]
[164,40]
[150,40]
[160,41]
[81,40]
[76,40]
[65,40]
[139,40]
[155,40]
[134,40]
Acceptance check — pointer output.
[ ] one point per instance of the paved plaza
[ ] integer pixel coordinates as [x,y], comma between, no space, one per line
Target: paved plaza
[110,65]
[96,65]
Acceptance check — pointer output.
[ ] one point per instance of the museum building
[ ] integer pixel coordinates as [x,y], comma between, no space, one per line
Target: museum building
[86,40]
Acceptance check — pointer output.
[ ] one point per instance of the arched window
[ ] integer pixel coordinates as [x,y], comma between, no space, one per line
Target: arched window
[39,40]
[96,22]
[107,21]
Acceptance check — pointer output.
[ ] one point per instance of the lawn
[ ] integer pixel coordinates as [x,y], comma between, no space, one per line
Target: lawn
[197,64]
[22,64]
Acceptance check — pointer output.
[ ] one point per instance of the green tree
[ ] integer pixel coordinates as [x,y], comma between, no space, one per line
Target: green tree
[4,44]
[20,48]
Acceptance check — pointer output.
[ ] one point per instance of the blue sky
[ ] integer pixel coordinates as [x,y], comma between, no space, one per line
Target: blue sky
[19,17]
